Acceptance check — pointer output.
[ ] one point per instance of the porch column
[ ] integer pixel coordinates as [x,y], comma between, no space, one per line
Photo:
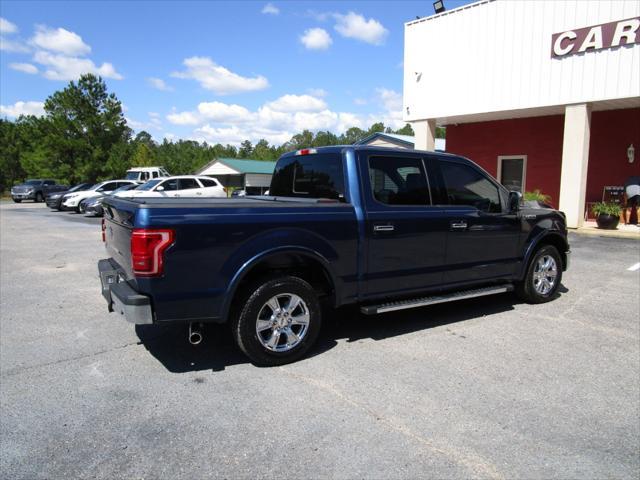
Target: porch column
[575,161]
[425,131]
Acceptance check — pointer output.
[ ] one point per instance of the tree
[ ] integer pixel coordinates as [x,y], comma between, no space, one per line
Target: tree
[10,143]
[246,149]
[84,122]
[352,135]
[406,130]
[376,128]
[143,156]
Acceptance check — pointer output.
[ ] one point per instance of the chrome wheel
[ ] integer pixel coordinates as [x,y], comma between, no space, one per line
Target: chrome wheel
[282,322]
[545,275]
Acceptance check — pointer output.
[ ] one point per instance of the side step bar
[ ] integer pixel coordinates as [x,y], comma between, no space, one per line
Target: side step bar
[424,301]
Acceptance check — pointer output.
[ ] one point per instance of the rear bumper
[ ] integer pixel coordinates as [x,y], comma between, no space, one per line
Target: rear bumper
[120,297]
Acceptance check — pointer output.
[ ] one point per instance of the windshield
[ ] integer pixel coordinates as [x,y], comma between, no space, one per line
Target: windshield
[124,188]
[33,182]
[132,175]
[81,186]
[149,185]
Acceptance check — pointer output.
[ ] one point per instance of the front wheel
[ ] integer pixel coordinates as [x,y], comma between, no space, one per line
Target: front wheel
[279,321]
[543,276]
[39,198]
[17,200]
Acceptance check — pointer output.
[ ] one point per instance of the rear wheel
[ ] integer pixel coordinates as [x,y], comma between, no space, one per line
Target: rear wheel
[543,276]
[278,322]
[17,200]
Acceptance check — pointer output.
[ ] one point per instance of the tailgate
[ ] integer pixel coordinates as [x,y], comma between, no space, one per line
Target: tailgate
[119,216]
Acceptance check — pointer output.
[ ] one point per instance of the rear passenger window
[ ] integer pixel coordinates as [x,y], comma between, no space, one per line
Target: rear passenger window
[207,182]
[312,176]
[188,183]
[466,186]
[399,181]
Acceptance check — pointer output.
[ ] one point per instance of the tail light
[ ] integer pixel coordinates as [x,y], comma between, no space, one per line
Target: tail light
[104,230]
[307,151]
[147,250]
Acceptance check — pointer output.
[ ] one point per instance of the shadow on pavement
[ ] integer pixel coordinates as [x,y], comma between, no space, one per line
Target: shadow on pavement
[217,351]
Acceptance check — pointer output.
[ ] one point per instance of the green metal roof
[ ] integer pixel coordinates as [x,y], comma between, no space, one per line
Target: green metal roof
[249,166]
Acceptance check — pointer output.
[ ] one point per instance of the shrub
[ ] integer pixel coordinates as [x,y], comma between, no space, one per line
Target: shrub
[606,208]
[537,196]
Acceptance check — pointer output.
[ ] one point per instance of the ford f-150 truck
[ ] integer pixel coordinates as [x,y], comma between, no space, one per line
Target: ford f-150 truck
[383,228]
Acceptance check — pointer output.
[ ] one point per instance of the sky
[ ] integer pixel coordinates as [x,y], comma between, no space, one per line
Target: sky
[220,72]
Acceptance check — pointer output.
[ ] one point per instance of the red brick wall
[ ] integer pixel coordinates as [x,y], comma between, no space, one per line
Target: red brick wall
[540,138]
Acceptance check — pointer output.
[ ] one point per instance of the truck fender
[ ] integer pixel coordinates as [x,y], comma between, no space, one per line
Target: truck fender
[246,268]
[537,238]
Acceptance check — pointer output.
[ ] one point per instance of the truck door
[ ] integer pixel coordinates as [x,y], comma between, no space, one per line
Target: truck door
[483,236]
[405,233]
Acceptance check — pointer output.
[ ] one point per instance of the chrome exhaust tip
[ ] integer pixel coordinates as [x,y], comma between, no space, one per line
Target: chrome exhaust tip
[195,334]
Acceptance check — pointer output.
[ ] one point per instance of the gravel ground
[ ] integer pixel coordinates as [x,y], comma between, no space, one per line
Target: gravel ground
[487,388]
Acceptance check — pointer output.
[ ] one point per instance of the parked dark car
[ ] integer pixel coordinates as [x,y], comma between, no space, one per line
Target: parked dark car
[54,200]
[386,229]
[93,206]
[35,190]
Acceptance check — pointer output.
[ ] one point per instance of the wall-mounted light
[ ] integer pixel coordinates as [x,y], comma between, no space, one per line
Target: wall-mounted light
[631,153]
[438,6]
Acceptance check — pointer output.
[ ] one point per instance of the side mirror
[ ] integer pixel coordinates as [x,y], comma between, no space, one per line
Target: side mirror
[160,189]
[514,201]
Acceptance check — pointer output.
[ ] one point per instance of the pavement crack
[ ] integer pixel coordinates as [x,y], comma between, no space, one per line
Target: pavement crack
[18,370]
[470,460]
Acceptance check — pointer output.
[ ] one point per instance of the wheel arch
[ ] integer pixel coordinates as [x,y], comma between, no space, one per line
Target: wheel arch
[554,239]
[303,262]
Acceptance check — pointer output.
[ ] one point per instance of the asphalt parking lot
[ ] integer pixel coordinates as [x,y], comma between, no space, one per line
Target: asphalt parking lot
[486,388]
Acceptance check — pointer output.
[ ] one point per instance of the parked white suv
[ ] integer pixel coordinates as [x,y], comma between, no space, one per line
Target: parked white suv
[143,174]
[180,186]
[71,201]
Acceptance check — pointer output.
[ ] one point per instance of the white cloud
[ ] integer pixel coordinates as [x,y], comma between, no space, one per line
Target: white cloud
[317,92]
[270,9]
[391,100]
[159,84]
[154,123]
[316,39]
[222,112]
[6,27]
[24,67]
[297,103]
[353,25]
[13,46]
[219,79]
[22,108]
[184,118]
[360,101]
[60,40]
[278,120]
[62,67]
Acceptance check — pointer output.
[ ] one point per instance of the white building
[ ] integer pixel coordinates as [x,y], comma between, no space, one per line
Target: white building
[542,94]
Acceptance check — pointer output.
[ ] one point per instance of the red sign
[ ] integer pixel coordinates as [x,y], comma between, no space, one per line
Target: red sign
[598,37]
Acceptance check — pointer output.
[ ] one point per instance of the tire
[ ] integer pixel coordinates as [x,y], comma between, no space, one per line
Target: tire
[39,198]
[17,200]
[261,327]
[543,277]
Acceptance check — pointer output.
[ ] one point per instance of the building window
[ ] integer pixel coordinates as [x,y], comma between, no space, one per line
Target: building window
[512,172]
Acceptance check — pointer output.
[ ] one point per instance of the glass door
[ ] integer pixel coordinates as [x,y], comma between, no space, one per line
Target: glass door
[512,172]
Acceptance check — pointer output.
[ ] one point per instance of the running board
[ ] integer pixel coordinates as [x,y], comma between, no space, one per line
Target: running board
[424,301]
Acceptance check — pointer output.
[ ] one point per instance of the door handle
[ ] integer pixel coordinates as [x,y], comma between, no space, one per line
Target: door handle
[198,193]
[459,225]
[383,228]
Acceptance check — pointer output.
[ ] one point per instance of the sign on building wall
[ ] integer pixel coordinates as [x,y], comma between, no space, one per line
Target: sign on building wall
[597,37]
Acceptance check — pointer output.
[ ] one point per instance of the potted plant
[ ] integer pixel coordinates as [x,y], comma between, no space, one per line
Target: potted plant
[537,199]
[607,214]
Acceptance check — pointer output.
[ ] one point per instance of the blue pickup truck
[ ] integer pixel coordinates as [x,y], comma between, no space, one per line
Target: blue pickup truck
[386,229]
